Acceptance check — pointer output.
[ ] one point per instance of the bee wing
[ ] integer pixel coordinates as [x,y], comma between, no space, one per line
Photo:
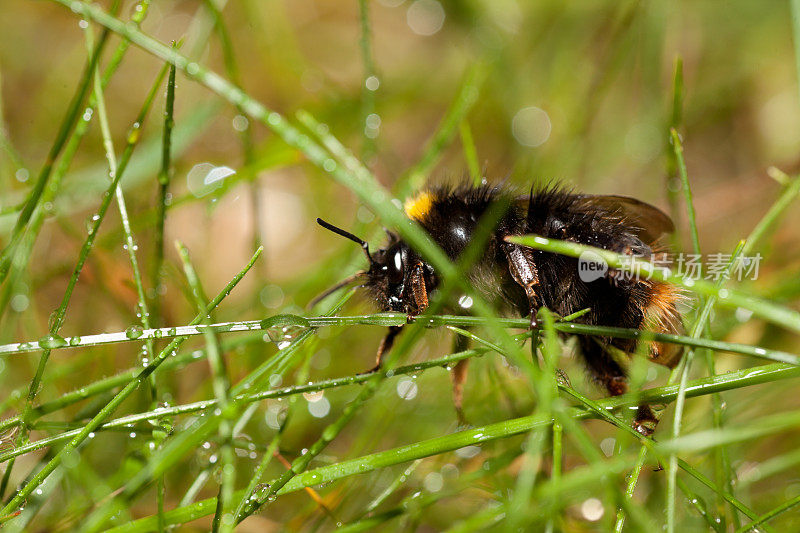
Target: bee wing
[651,221]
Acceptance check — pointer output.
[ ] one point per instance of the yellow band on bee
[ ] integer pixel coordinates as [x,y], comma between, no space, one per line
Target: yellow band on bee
[419,206]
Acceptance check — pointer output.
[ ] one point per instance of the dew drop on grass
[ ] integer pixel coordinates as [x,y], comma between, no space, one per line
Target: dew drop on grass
[261,490]
[283,336]
[311,478]
[52,341]
[134,132]
[134,332]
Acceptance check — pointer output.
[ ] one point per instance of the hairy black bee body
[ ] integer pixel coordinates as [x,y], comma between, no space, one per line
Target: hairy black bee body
[523,279]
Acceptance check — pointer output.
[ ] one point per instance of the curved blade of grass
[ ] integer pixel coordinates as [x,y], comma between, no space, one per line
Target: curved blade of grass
[719,383]
[677,147]
[59,314]
[130,242]
[700,324]
[190,438]
[65,130]
[164,178]
[769,515]
[384,319]
[223,521]
[19,263]
[579,477]
[758,233]
[768,221]
[97,421]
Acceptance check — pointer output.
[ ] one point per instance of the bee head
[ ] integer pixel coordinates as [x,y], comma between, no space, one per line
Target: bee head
[387,277]
[388,272]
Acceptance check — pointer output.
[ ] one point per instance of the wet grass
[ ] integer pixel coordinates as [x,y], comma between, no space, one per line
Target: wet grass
[160,406]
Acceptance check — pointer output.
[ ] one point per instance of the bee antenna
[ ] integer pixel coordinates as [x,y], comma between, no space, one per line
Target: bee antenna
[346,235]
[344,283]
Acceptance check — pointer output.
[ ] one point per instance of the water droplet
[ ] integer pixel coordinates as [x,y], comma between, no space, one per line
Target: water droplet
[320,407]
[19,302]
[240,123]
[52,341]
[407,389]
[311,478]
[134,332]
[205,178]
[372,83]
[133,133]
[425,17]
[283,329]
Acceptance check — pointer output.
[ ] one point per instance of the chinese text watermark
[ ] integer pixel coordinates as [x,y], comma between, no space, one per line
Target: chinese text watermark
[712,267]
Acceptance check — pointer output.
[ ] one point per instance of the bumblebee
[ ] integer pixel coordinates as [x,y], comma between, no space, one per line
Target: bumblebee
[522,279]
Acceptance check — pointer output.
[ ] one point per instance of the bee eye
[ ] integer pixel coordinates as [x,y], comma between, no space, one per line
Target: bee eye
[396,270]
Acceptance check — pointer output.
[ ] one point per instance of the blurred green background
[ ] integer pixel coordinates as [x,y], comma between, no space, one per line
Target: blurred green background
[580,92]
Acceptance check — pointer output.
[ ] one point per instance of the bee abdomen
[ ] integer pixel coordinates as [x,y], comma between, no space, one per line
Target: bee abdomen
[661,315]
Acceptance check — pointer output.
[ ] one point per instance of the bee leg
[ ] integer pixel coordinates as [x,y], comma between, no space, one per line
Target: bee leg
[385,346]
[419,291]
[646,421]
[523,270]
[607,372]
[459,376]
